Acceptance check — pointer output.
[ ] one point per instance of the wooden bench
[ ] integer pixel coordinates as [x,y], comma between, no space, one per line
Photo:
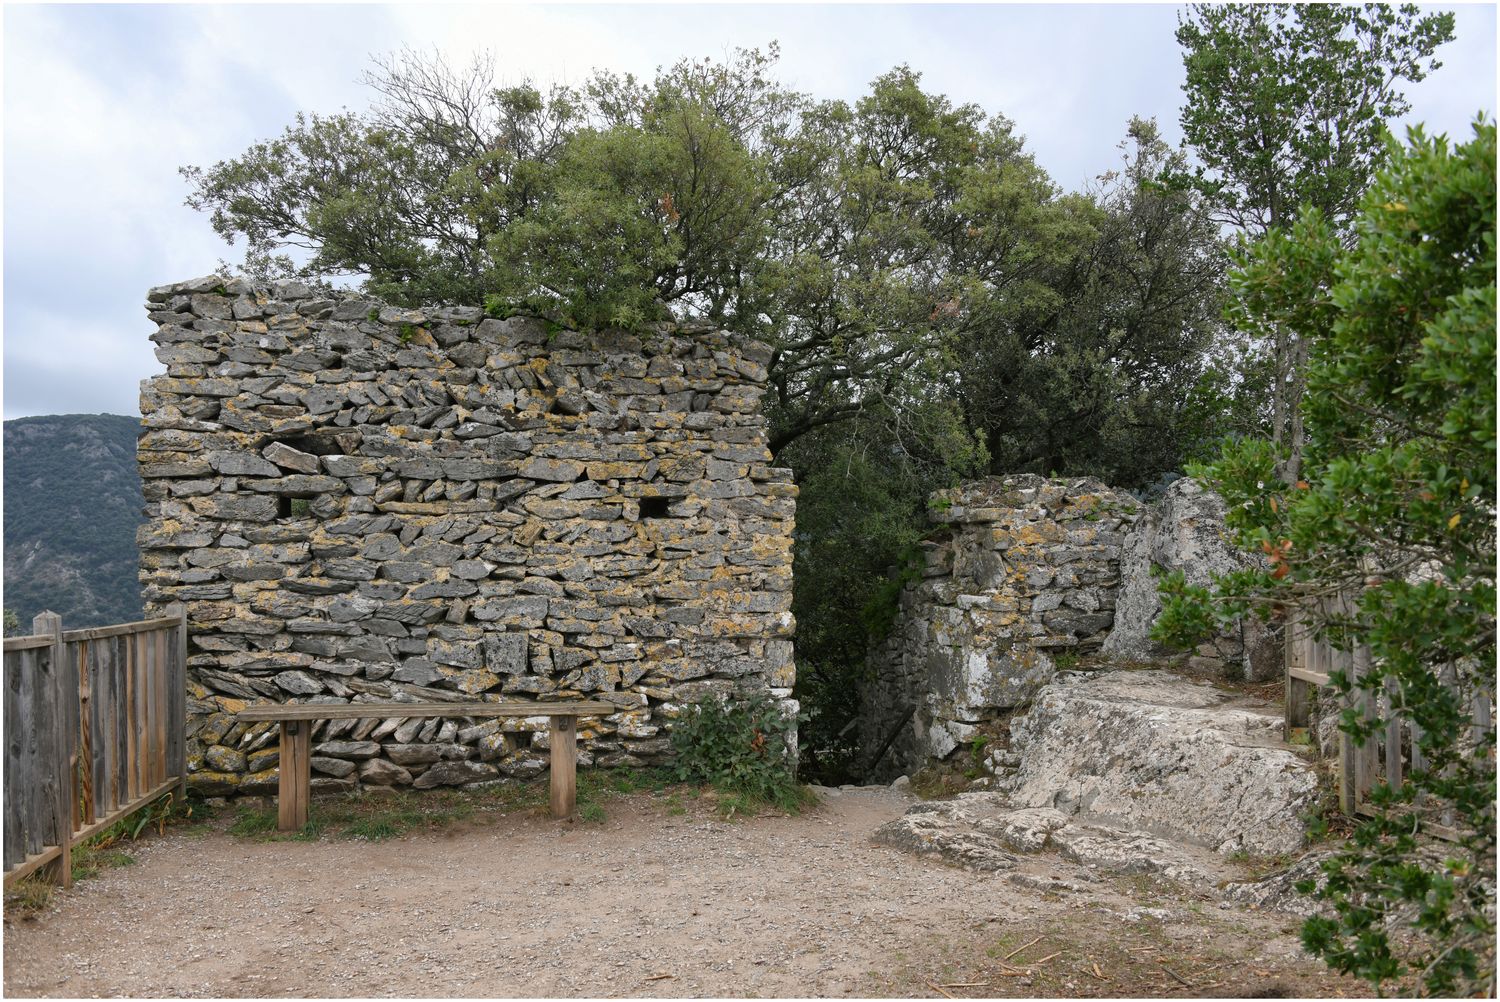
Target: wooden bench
[297,719]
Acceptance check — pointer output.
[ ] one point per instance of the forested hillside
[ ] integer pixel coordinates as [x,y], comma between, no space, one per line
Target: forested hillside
[72,504]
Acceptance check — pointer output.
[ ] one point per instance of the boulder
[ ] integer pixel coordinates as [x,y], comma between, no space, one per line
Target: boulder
[1185,531]
[1165,755]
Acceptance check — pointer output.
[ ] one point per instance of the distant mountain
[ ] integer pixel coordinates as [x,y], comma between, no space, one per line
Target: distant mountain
[72,505]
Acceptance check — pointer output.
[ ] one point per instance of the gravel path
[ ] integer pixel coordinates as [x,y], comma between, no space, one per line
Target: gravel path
[644,904]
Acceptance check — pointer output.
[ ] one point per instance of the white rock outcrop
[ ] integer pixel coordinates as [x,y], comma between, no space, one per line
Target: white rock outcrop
[1185,531]
[1162,754]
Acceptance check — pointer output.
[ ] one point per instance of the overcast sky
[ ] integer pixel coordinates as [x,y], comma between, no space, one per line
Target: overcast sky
[103,104]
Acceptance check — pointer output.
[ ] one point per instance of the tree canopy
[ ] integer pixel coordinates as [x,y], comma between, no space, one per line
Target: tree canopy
[1286,108]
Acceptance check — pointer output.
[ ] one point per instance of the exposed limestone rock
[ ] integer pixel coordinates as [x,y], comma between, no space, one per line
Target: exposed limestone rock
[362,502]
[980,831]
[948,831]
[1185,531]
[1132,773]
[1162,754]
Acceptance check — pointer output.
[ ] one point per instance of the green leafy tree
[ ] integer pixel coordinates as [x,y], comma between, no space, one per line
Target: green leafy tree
[1396,510]
[1286,107]
[1086,345]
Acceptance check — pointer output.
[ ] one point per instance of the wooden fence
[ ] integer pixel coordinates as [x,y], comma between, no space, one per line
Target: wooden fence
[1310,659]
[94,730]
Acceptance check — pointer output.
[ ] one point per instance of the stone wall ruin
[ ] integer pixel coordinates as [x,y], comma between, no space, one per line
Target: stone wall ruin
[358,502]
[1024,575]
[1023,569]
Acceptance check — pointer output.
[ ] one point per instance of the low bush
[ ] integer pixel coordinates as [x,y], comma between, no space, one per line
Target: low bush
[743,748]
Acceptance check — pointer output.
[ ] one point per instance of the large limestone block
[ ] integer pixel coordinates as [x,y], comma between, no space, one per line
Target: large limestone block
[1167,755]
[1185,532]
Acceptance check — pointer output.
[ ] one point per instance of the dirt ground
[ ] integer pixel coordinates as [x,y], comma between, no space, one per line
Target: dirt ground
[650,902]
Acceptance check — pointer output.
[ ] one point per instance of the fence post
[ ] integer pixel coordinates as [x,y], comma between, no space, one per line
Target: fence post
[177,703]
[61,747]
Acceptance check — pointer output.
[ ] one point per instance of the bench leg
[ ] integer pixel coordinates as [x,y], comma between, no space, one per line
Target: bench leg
[294,787]
[564,742]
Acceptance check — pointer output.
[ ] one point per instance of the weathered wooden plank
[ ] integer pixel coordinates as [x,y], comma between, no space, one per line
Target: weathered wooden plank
[1298,704]
[127,702]
[15,785]
[563,740]
[100,679]
[26,643]
[1394,767]
[141,711]
[81,656]
[1348,753]
[1484,712]
[1367,763]
[32,863]
[120,729]
[294,779]
[56,689]
[177,686]
[120,630]
[148,699]
[344,711]
[30,768]
[1303,675]
[163,703]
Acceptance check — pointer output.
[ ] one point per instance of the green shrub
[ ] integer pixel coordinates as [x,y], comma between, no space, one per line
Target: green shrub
[741,747]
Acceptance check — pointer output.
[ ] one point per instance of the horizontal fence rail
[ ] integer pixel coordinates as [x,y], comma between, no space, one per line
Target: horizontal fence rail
[94,730]
[1394,751]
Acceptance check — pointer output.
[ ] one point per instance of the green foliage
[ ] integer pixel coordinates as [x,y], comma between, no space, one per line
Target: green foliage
[860,519]
[1287,103]
[741,747]
[300,507]
[900,253]
[12,624]
[1396,510]
[72,506]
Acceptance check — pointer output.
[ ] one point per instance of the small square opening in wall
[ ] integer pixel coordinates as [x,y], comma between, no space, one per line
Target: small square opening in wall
[654,507]
[292,507]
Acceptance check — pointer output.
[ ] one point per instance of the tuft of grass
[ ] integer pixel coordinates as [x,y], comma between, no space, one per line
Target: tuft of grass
[28,895]
[253,821]
[591,813]
[90,860]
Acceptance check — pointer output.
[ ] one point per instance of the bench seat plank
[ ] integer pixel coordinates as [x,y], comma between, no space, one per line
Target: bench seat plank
[364,711]
[296,719]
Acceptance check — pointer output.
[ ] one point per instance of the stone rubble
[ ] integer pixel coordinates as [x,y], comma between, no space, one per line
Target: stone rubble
[360,502]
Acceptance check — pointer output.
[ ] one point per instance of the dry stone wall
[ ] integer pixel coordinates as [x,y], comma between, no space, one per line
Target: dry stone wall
[1027,568]
[358,502]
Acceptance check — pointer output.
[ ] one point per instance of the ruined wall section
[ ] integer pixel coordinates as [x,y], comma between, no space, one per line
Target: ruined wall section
[1024,569]
[358,502]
